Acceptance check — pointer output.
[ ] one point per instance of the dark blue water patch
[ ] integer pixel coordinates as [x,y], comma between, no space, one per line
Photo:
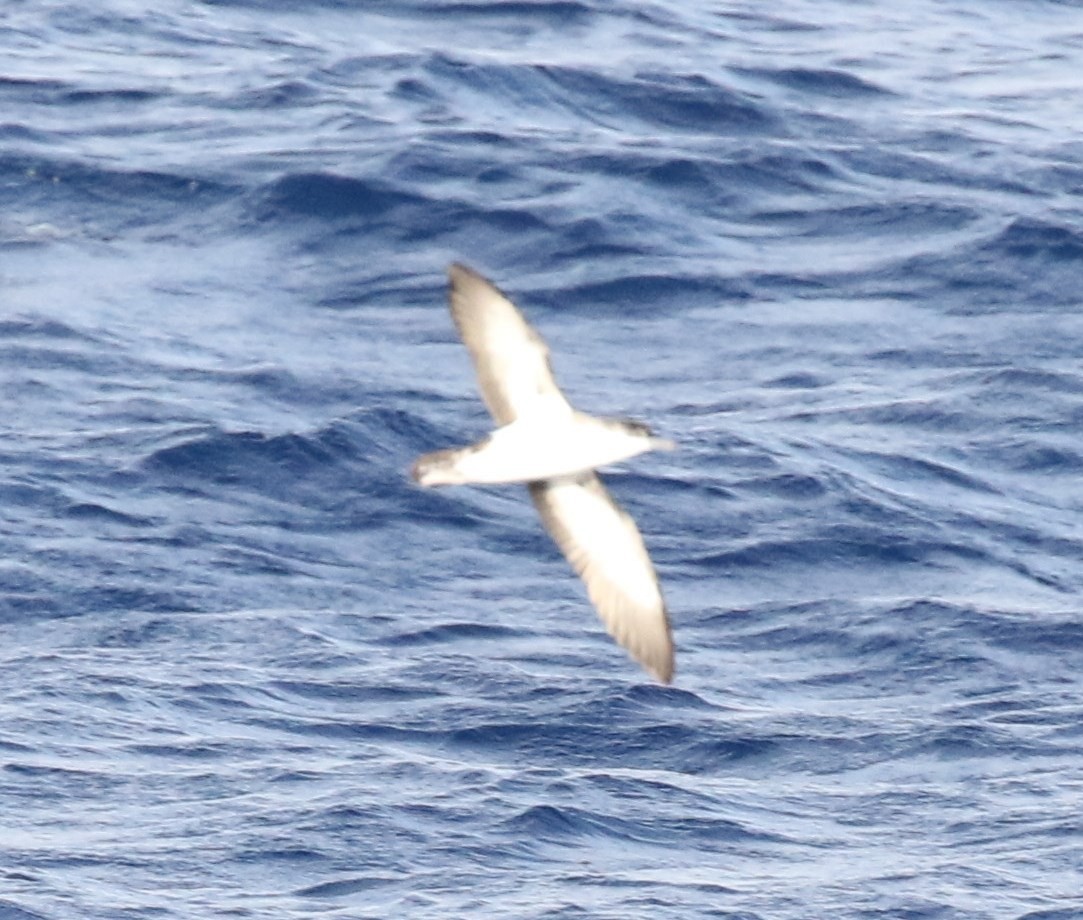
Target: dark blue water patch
[717,181]
[351,692]
[558,13]
[418,92]
[37,327]
[633,294]
[909,468]
[548,823]
[559,824]
[890,645]
[343,212]
[922,356]
[292,776]
[754,20]
[285,94]
[1039,633]
[1062,913]
[640,787]
[1032,454]
[241,457]
[213,696]
[52,93]
[283,853]
[843,545]
[515,86]
[20,135]
[320,470]
[1029,264]
[349,732]
[1066,178]
[61,782]
[117,187]
[446,633]
[713,754]
[893,219]
[799,380]
[45,353]
[11,911]
[969,741]
[189,750]
[345,209]
[1038,240]
[120,99]
[590,239]
[1023,380]
[875,506]
[138,632]
[360,287]
[789,487]
[439,510]
[910,414]
[257,562]
[28,495]
[117,200]
[464,157]
[327,196]
[686,102]
[93,511]
[340,888]
[16,89]
[701,744]
[271,381]
[68,576]
[83,357]
[957,640]
[948,175]
[524,739]
[699,178]
[808,283]
[829,82]
[634,703]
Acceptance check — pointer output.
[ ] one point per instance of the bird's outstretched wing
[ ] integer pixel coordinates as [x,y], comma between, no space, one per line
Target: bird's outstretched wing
[510,358]
[605,548]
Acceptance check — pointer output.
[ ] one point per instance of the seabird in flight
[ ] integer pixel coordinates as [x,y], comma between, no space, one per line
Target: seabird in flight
[542,441]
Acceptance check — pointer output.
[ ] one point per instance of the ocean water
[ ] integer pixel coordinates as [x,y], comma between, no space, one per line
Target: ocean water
[248,669]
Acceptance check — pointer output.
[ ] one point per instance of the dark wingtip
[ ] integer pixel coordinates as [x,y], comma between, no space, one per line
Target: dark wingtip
[459,278]
[661,670]
[457,272]
[420,467]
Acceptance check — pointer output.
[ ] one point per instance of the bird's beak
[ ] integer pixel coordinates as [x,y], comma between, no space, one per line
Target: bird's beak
[663,444]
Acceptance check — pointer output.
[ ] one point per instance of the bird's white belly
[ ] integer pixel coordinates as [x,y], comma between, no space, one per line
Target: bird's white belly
[533,449]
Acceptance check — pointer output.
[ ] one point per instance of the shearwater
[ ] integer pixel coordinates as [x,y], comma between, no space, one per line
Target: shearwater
[542,441]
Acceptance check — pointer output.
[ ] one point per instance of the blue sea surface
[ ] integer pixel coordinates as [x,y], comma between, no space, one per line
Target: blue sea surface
[249,669]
